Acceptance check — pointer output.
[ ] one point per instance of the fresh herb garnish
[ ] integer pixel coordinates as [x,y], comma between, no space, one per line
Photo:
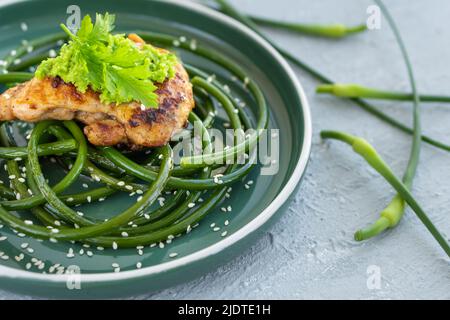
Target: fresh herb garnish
[110,64]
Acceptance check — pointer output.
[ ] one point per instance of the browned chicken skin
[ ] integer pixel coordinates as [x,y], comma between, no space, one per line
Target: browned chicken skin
[106,125]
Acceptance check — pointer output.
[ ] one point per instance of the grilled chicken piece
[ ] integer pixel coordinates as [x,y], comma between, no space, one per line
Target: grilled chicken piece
[106,125]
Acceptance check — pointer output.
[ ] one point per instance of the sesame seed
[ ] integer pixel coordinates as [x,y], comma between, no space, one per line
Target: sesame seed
[223,234]
[85,185]
[191,205]
[124,234]
[138,265]
[89,199]
[24,245]
[128,187]
[120,183]
[161,245]
[216,229]
[52,53]
[114,245]
[28,222]
[70,254]
[3,238]
[12,177]
[24,26]
[139,199]
[143,107]
[193,45]
[173,255]
[226,222]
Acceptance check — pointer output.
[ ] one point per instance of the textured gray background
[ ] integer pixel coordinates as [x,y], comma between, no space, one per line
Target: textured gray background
[310,253]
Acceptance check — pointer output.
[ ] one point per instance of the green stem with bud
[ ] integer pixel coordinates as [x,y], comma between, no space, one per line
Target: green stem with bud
[349,90]
[365,150]
[329,31]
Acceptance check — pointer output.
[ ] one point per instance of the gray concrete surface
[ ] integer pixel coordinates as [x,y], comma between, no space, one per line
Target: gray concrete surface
[310,252]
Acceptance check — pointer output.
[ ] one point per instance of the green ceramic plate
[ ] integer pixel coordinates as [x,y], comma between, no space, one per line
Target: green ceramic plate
[201,250]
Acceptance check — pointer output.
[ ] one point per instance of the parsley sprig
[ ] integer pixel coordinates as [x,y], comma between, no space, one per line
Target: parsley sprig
[110,64]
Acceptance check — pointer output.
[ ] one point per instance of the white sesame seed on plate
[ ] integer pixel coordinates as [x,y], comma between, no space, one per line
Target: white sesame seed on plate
[89,199]
[161,245]
[24,245]
[193,45]
[139,199]
[173,255]
[216,229]
[3,238]
[224,234]
[226,222]
[24,26]
[138,265]
[114,245]
[52,53]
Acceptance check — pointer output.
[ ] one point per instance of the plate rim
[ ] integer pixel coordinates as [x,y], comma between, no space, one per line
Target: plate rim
[250,227]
